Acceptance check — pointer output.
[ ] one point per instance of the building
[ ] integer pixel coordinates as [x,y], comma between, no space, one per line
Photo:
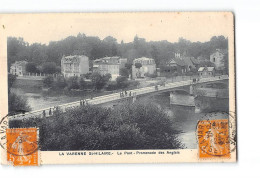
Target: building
[18,68]
[109,65]
[148,67]
[217,58]
[177,65]
[183,64]
[206,72]
[76,65]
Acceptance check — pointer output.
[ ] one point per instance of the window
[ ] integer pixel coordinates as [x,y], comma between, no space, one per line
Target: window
[214,59]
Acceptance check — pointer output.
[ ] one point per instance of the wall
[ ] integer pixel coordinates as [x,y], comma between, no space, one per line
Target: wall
[84,65]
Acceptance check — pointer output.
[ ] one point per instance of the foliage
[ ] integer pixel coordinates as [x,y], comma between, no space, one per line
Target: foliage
[11,80]
[128,66]
[73,82]
[17,104]
[124,72]
[99,81]
[31,68]
[126,127]
[48,81]
[111,85]
[138,65]
[93,47]
[107,77]
[49,68]
[121,82]
[60,83]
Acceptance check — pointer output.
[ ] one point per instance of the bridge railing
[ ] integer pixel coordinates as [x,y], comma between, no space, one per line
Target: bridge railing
[110,97]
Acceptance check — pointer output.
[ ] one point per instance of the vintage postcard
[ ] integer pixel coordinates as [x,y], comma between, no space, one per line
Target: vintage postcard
[145,87]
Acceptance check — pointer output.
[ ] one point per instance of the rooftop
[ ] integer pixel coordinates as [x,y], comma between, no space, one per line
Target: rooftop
[20,62]
[143,59]
[206,68]
[71,58]
[108,60]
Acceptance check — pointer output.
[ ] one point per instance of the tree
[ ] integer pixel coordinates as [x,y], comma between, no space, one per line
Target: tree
[138,65]
[124,72]
[107,77]
[98,80]
[48,81]
[121,81]
[11,80]
[60,82]
[17,104]
[125,127]
[31,68]
[73,83]
[49,68]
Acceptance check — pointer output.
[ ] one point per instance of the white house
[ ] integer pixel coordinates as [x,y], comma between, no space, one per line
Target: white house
[76,65]
[148,67]
[18,68]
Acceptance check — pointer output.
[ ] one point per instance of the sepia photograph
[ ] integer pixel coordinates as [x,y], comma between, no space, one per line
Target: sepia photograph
[129,81]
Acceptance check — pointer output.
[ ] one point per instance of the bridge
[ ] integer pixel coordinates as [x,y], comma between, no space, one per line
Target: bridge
[131,94]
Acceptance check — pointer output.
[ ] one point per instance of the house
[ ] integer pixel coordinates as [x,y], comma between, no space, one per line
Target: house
[148,67]
[109,65]
[206,72]
[76,65]
[217,58]
[177,65]
[183,64]
[195,62]
[18,68]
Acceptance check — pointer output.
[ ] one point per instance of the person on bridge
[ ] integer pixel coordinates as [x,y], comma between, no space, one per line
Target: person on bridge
[43,113]
[125,93]
[50,112]
[130,93]
[83,102]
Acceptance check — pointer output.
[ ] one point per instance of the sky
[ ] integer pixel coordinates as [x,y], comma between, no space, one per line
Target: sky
[43,28]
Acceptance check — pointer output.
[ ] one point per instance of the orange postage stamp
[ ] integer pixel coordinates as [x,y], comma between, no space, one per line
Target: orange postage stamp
[22,146]
[213,138]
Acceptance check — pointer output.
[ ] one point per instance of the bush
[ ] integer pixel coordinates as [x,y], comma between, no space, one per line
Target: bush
[48,81]
[11,80]
[60,83]
[127,127]
[99,81]
[112,85]
[73,82]
[50,68]
[121,82]
[124,72]
[133,84]
[31,68]
[17,104]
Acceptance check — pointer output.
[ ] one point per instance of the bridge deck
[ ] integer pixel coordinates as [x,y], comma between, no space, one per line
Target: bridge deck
[113,97]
